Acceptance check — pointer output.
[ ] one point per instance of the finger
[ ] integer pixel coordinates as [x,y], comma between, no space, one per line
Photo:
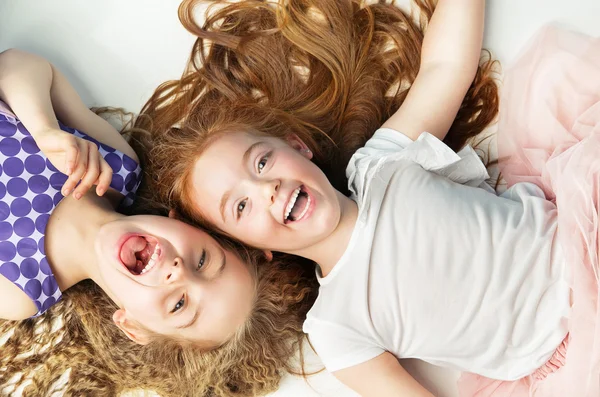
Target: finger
[79,169]
[71,153]
[91,173]
[105,177]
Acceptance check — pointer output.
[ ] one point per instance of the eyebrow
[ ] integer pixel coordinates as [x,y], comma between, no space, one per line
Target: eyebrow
[191,322]
[224,201]
[225,197]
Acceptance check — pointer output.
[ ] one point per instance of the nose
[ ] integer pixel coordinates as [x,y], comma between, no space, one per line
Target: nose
[174,272]
[270,189]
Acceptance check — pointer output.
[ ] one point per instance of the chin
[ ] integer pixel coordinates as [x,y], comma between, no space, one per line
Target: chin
[325,225]
[106,241]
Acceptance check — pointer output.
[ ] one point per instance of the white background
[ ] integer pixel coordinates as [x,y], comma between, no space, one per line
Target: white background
[116,52]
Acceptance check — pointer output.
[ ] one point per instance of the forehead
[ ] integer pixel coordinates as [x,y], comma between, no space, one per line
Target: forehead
[222,161]
[234,144]
[230,142]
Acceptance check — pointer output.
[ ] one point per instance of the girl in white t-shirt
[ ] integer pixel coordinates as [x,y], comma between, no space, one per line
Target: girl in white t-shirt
[424,260]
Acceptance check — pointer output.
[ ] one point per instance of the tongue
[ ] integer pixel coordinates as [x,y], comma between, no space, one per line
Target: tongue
[129,249]
[299,206]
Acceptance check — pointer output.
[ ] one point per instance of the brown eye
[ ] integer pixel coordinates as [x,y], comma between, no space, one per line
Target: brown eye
[240,207]
[202,260]
[262,164]
[179,304]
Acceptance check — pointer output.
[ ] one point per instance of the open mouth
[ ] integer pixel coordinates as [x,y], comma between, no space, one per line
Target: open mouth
[139,254]
[297,206]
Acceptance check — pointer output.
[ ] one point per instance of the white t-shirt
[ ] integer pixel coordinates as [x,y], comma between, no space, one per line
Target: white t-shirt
[439,268]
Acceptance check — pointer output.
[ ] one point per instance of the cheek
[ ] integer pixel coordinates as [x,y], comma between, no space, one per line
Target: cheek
[236,276]
[294,161]
[242,285]
[254,230]
[142,302]
[234,303]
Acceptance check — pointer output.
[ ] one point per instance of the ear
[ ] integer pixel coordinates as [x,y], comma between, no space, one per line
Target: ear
[173,214]
[298,144]
[130,329]
[268,255]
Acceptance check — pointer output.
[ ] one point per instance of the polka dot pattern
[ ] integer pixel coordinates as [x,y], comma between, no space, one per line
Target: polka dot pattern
[29,191]
[13,166]
[35,164]
[4,210]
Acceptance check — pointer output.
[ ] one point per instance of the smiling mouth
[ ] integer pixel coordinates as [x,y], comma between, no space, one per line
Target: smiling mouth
[139,254]
[297,206]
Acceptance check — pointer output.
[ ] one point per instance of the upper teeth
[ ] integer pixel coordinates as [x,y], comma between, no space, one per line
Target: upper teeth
[291,203]
[152,260]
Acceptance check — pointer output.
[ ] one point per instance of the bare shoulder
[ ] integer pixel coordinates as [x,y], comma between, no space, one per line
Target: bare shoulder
[14,303]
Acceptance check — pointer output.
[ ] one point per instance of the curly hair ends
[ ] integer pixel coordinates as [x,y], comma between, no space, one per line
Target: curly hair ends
[74,335]
[330,71]
[78,335]
[254,361]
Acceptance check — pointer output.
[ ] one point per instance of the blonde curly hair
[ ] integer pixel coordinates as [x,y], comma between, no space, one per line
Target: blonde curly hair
[78,335]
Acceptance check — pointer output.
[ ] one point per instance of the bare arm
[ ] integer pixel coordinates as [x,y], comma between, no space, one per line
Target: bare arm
[382,376]
[14,304]
[38,93]
[449,60]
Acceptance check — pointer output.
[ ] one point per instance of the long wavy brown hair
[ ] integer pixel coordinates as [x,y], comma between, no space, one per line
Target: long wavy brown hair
[329,71]
[76,339]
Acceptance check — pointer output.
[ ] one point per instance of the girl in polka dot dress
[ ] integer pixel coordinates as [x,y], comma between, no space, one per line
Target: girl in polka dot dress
[57,229]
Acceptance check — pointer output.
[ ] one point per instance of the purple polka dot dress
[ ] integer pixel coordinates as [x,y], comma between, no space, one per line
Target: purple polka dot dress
[29,191]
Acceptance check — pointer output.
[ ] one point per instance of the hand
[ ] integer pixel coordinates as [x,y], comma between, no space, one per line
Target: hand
[78,158]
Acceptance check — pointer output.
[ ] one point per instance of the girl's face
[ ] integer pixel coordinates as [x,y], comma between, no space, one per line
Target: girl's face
[265,192]
[173,279]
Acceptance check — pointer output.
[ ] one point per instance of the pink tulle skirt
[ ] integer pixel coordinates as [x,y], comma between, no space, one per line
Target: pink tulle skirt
[549,134]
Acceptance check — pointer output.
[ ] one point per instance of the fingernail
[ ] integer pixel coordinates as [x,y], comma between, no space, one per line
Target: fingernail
[66,192]
[77,195]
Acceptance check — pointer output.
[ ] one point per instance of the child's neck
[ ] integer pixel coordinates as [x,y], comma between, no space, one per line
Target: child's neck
[329,251]
[71,234]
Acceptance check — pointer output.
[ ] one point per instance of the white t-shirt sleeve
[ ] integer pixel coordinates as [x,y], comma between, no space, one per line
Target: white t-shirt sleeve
[464,167]
[384,142]
[363,163]
[339,347]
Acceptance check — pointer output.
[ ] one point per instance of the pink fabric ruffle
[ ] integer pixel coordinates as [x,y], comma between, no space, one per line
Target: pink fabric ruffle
[549,134]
